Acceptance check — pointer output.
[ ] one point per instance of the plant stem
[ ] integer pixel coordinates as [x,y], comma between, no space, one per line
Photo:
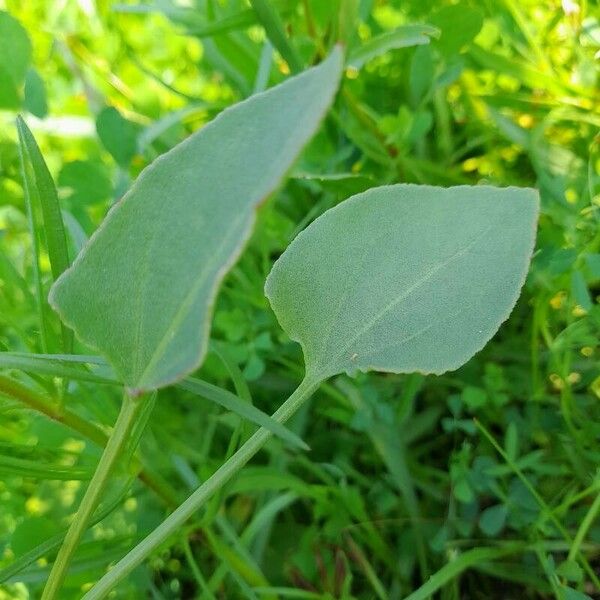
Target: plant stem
[42,404]
[113,451]
[587,522]
[213,484]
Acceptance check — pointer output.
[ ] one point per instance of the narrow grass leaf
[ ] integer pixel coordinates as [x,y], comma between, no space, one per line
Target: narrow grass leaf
[9,465]
[52,366]
[454,569]
[40,188]
[269,18]
[145,299]
[402,37]
[241,408]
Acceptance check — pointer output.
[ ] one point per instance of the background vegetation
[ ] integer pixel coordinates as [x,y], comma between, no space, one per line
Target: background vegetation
[485,480]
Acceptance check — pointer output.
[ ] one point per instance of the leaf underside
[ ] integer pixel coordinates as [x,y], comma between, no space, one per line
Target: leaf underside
[142,289]
[404,278]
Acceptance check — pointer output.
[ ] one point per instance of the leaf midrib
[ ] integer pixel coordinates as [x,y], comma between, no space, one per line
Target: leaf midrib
[188,300]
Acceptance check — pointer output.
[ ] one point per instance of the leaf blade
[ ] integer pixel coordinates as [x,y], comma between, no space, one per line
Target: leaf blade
[40,188]
[271,21]
[402,37]
[358,301]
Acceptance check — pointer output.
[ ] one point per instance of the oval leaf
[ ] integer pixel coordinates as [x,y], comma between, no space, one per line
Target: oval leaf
[143,288]
[404,278]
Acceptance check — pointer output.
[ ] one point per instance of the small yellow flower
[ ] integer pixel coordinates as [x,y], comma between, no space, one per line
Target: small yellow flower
[571,196]
[557,381]
[36,506]
[525,121]
[471,164]
[557,301]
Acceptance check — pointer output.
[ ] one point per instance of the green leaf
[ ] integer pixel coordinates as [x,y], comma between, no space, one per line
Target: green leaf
[9,94]
[571,594]
[404,278]
[87,180]
[402,37]
[245,410]
[269,18]
[41,192]
[36,469]
[35,94]
[340,183]
[117,134]
[44,192]
[593,265]
[580,291]
[421,75]
[143,288]
[454,38]
[570,570]
[493,519]
[30,532]
[57,365]
[15,50]
[461,563]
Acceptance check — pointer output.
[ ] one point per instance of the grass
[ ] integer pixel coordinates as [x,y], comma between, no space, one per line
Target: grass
[481,483]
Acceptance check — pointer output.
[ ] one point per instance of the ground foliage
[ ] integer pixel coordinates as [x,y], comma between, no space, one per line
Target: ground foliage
[480,483]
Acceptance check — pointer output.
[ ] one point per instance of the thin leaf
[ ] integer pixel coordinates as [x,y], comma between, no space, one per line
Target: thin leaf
[51,365]
[245,410]
[28,192]
[143,288]
[453,569]
[269,18]
[402,37]
[36,470]
[39,188]
[404,278]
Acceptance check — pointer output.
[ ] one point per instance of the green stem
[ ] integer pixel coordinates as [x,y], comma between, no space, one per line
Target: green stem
[212,485]
[113,451]
[42,404]
[587,522]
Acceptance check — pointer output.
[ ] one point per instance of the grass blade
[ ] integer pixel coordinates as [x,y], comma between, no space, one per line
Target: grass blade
[453,569]
[402,37]
[40,188]
[269,18]
[28,191]
[245,410]
[51,365]
[33,469]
